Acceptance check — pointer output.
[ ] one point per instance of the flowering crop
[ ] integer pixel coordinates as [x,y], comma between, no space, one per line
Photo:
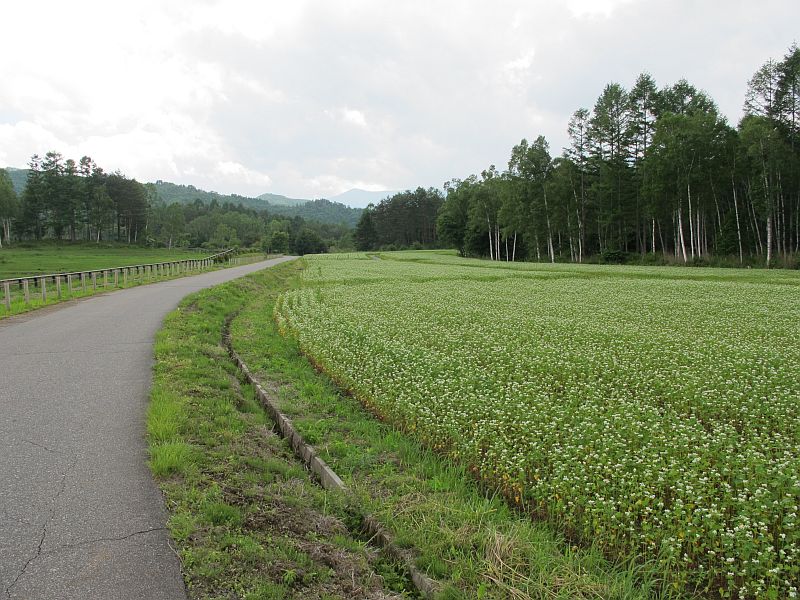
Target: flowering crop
[652,412]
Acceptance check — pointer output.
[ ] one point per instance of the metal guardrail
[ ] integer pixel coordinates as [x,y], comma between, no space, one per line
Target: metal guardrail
[80,280]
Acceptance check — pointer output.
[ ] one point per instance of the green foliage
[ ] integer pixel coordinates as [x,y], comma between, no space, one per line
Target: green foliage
[9,206]
[401,220]
[323,211]
[78,201]
[366,237]
[613,257]
[308,242]
[224,237]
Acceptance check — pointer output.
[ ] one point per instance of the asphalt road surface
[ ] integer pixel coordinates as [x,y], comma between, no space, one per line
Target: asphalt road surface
[80,514]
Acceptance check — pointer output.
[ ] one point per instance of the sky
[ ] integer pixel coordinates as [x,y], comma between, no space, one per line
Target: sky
[312,98]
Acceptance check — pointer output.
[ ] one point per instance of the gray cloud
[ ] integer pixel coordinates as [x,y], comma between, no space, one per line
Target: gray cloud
[316,97]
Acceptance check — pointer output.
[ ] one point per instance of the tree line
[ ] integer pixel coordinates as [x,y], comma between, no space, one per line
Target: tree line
[78,201]
[657,173]
[403,220]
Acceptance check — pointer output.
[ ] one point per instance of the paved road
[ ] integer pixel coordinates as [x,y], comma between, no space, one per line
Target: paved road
[80,515]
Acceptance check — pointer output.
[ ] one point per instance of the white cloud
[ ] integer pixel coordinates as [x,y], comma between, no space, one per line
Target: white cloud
[236,170]
[331,185]
[581,8]
[348,116]
[355,117]
[311,98]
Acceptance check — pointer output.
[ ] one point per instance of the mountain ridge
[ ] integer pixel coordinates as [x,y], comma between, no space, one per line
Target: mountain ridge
[322,210]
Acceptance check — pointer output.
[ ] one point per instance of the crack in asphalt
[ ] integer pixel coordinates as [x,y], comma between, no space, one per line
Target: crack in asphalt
[41,446]
[101,540]
[42,538]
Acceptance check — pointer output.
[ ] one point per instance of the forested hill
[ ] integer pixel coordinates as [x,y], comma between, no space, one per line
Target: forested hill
[282,200]
[323,211]
[18,179]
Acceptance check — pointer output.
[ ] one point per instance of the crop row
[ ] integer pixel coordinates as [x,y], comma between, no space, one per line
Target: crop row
[655,416]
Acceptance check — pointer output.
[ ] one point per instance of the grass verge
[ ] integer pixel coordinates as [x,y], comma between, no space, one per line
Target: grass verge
[247,519]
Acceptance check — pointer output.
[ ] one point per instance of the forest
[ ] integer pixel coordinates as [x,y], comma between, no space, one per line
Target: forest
[650,174]
[403,220]
[78,201]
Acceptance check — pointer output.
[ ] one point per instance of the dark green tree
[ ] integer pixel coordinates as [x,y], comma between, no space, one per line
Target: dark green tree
[9,207]
[366,237]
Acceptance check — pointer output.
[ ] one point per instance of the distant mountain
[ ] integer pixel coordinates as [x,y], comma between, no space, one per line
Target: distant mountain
[172,193]
[19,177]
[360,198]
[323,211]
[278,200]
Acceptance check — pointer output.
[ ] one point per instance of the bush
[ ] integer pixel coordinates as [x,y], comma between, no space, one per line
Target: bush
[613,257]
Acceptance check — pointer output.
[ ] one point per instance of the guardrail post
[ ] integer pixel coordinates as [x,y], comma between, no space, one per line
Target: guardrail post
[116,277]
[69,283]
[58,286]
[7,294]
[83,282]
[94,280]
[43,283]
[26,291]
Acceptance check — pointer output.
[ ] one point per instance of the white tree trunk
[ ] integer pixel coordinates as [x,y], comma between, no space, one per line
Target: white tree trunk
[680,234]
[769,238]
[691,229]
[654,236]
[514,248]
[549,232]
[491,243]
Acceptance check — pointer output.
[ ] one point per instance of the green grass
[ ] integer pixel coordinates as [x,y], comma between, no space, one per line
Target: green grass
[247,519]
[47,258]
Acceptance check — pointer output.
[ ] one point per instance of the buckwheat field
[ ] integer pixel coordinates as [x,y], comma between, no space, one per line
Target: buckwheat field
[653,412]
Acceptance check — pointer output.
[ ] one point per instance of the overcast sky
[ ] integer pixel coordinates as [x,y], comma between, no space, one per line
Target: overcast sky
[309,99]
